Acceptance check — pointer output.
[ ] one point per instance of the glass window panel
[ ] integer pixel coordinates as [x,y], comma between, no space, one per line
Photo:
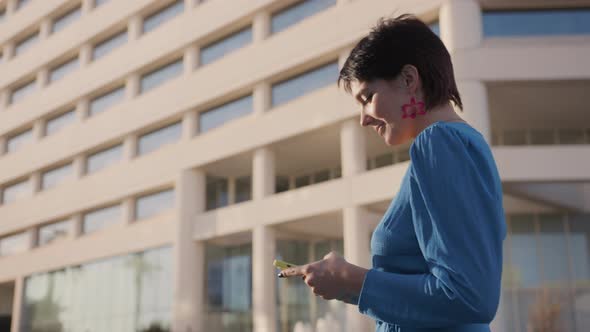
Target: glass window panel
[19,140]
[219,115]
[553,249]
[53,232]
[243,189]
[23,91]
[580,256]
[384,160]
[163,15]
[542,137]
[106,100]
[524,258]
[56,176]
[302,181]
[571,136]
[298,86]
[17,191]
[108,45]
[156,139]
[21,3]
[515,137]
[161,75]
[321,176]
[228,288]
[99,219]
[435,27]
[297,13]
[25,43]
[63,69]
[537,22]
[14,244]
[66,19]
[281,184]
[104,158]
[226,45]
[151,205]
[217,192]
[98,3]
[57,123]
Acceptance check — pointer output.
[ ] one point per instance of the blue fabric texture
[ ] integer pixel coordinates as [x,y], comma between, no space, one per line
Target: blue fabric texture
[437,252]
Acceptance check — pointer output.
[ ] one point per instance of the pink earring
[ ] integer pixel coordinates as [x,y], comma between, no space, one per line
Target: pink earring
[413,108]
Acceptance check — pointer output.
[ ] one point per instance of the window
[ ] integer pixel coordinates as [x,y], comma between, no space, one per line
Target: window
[537,22]
[63,69]
[297,13]
[161,75]
[16,191]
[155,139]
[106,100]
[26,43]
[542,136]
[435,27]
[384,160]
[217,192]
[571,136]
[104,158]
[99,219]
[14,244]
[57,123]
[21,3]
[150,205]
[131,292]
[281,184]
[53,232]
[321,176]
[56,176]
[163,15]
[67,18]
[19,140]
[108,45]
[227,112]
[243,189]
[515,137]
[302,181]
[225,46]
[22,91]
[98,3]
[298,86]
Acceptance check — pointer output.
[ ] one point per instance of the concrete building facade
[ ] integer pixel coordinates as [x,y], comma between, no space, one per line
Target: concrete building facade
[156,156]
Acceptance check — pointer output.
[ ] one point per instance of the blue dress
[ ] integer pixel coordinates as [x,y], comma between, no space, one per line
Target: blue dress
[437,252]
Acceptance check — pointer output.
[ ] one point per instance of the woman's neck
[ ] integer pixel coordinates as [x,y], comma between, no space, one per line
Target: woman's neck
[444,113]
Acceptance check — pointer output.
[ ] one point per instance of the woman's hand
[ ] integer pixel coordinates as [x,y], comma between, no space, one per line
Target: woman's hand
[331,278]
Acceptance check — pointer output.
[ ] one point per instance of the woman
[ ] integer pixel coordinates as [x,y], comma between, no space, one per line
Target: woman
[437,252]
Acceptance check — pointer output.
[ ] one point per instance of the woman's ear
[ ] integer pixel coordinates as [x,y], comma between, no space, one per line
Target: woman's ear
[411,78]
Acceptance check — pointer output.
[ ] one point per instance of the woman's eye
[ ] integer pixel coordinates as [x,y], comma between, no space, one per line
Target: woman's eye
[368,99]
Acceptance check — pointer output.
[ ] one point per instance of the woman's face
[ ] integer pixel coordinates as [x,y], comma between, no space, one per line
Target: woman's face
[387,106]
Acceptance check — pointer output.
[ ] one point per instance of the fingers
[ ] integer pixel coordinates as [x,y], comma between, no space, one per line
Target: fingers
[293,272]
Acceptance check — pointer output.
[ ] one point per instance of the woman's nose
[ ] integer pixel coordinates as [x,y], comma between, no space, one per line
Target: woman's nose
[365,119]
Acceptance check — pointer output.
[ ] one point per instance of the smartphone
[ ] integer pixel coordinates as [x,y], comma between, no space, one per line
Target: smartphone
[279,264]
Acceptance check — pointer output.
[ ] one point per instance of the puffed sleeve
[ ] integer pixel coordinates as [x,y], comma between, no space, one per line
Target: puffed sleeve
[458,218]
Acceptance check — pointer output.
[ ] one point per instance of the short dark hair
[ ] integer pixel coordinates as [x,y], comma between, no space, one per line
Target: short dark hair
[394,43]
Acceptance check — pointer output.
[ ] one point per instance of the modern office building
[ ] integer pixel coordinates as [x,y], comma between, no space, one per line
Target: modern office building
[156,156]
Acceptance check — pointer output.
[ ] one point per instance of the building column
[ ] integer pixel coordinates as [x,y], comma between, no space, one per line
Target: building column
[35,181]
[82,109]
[132,86]
[475,103]
[355,227]
[191,59]
[8,51]
[134,28]
[2,146]
[264,309]
[189,255]
[261,98]
[85,55]
[261,27]
[45,28]
[87,6]
[11,6]
[461,29]
[19,285]
[129,210]
[231,190]
[263,246]
[263,177]
[353,149]
[42,78]
[189,4]
[38,129]
[190,125]
[77,227]
[79,166]
[130,148]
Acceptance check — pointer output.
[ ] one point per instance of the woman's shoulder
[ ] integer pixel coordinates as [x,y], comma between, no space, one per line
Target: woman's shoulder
[446,137]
